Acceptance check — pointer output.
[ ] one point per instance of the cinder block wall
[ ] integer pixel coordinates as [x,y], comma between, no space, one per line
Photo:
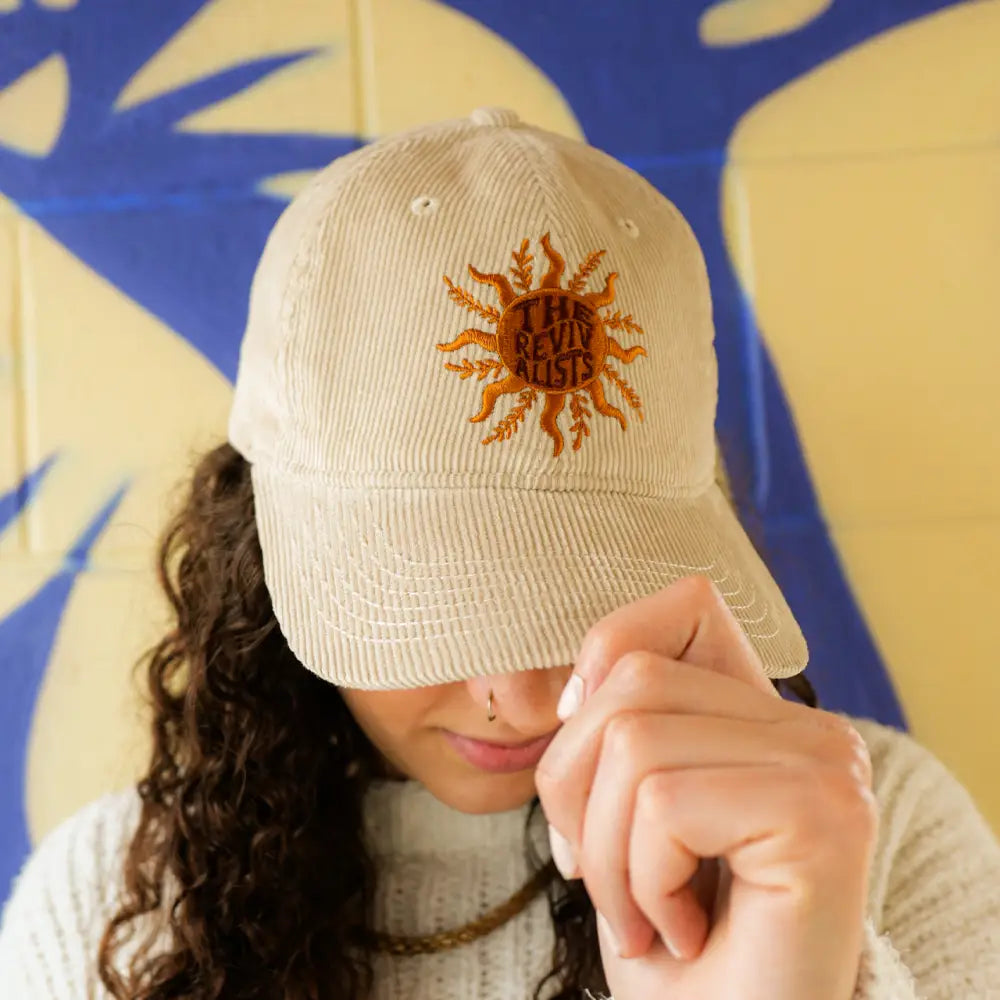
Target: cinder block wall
[839,164]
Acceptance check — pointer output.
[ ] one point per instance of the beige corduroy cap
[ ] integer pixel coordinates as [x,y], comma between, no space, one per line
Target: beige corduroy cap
[477,390]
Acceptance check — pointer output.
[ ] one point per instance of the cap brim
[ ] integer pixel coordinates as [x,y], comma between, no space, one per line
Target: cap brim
[402,587]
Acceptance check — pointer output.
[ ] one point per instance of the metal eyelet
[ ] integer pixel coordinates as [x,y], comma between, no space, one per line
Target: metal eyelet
[423,204]
[629,226]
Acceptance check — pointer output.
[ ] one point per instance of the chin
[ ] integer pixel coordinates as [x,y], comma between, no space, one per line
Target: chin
[480,792]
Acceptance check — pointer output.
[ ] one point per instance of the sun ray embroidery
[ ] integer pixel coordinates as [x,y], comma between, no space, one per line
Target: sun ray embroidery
[548,339]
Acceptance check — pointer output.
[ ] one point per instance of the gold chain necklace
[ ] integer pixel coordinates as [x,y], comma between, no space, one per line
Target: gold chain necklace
[442,940]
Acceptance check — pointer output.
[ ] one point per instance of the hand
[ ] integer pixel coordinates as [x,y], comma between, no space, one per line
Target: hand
[706,811]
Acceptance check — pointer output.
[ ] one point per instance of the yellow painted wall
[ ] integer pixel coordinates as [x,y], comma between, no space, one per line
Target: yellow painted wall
[860,208]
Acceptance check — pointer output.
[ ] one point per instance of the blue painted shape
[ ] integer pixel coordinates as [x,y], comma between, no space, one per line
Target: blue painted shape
[769,479]
[110,39]
[21,494]
[26,639]
[641,83]
[845,666]
[191,266]
[175,220]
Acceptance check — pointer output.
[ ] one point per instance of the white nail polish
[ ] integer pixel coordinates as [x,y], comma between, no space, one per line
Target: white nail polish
[673,951]
[571,698]
[606,927]
[562,853]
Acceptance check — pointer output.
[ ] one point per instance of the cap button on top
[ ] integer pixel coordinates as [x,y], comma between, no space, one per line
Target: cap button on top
[494,116]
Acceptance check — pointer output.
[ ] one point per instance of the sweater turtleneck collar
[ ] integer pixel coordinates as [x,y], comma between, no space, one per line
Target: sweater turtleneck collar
[404,818]
[439,869]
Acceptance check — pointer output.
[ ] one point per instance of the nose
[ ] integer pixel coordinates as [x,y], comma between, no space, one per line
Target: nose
[524,702]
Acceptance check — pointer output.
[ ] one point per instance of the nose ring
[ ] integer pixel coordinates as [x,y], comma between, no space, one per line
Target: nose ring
[489,707]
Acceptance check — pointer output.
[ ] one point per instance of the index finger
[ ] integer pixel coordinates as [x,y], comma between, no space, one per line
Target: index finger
[687,620]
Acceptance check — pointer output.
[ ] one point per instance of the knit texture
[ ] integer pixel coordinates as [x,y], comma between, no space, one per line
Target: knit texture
[932,931]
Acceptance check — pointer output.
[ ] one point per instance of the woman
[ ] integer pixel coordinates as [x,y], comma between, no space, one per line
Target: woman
[372,592]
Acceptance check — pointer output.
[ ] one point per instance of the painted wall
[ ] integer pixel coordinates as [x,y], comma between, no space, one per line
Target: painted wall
[840,163]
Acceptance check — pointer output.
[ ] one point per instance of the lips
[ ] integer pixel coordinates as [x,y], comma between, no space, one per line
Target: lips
[498,757]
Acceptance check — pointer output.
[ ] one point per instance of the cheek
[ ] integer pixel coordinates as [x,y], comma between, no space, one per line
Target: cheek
[390,717]
[398,724]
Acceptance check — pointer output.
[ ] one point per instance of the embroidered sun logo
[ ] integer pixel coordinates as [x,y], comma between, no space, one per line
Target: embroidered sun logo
[549,339]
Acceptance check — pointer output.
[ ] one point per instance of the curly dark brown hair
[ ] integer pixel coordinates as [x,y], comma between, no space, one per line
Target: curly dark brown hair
[251,804]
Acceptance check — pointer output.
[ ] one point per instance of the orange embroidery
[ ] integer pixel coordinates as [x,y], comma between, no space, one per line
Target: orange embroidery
[549,339]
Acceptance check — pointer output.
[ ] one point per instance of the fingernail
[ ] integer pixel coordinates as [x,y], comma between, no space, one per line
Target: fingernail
[571,698]
[673,951]
[562,853]
[606,927]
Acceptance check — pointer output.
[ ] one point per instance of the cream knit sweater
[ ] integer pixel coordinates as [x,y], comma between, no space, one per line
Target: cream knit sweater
[933,929]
